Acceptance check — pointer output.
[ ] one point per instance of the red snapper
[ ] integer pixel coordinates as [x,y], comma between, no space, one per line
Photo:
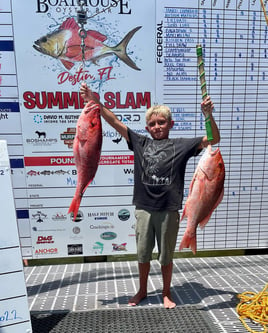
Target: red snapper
[65,44]
[205,193]
[87,150]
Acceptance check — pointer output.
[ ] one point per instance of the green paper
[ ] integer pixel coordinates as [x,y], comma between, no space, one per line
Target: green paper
[208,129]
[199,51]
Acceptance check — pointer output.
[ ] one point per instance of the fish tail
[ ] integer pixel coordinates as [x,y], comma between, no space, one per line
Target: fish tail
[74,206]
[188,242]
[121,49]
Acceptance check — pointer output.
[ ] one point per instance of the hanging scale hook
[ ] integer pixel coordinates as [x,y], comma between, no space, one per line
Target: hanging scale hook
[82,19]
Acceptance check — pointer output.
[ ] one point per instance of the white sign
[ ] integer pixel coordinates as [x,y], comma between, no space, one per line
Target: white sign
[14,312]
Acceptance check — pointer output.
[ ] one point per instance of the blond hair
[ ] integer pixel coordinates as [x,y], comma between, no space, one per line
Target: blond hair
[158,109]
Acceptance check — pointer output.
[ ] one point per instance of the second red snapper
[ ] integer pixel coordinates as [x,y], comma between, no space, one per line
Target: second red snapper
[87,149]
[205,194]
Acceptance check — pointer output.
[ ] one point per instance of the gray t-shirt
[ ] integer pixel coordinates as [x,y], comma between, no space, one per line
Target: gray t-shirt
[159,169]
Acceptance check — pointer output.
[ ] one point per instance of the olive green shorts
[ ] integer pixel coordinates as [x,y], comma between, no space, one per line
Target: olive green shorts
[162,226]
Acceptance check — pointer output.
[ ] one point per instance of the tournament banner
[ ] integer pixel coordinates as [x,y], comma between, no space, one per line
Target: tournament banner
[51,65]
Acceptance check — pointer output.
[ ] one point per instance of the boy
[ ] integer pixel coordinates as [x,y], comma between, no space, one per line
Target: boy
[159,169]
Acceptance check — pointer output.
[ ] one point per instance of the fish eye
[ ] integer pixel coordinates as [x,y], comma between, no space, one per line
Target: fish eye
[44,39]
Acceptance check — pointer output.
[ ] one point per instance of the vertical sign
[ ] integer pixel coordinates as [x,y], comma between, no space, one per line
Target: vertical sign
[50,70]
[10,123]
[14,312]
[233,35]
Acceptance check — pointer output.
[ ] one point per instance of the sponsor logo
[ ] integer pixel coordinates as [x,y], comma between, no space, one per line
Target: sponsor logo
[76,234]
[38,119]
[46,251]
[48,172]
[123,6]
[129,118]
[68,137]
[41,134]
[32,173]
[52,118]
[111,134]
[119,247]
[124,214]
[75,249]
[41,139]
[98,248]
[108,235]
[39,216]
[45,240]
[35,229]
[104,225]
[76,230]
[55,119]
[59,217]
[79,216]
[100,215]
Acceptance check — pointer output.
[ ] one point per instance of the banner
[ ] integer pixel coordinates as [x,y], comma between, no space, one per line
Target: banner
[136,54]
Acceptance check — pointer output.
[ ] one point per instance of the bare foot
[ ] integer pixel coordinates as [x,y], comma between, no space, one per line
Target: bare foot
[168,302]
[135,300]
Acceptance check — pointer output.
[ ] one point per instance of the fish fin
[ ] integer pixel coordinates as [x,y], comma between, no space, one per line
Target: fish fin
[220,198]
[188,242]
[192,183]
[120,49]
[203,223]
[183,214]
[67,64]
[70,23]
[96,35]
[74,206]
[73,51]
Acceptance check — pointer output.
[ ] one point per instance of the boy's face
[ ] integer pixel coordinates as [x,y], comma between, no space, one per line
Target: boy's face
[158,126]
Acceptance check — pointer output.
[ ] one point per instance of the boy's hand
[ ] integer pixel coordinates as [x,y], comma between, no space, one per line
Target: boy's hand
[207,106]
[87,94]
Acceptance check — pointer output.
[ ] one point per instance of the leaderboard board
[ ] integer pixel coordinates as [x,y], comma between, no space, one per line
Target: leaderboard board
[40,105]
[14,312]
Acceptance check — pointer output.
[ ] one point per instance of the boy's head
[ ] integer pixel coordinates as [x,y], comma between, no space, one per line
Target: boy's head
[159,121]
[158,109]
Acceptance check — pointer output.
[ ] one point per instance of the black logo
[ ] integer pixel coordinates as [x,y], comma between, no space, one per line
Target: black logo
[75,249]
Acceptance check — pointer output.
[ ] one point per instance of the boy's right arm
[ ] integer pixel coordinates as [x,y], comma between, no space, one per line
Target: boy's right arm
[106,113]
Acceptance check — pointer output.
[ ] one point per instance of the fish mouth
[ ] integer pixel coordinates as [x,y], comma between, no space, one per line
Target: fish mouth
[215,152]
[37,47]
[40,49]
[212,152]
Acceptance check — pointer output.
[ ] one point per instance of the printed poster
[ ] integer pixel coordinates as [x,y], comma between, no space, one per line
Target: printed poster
[112,51]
